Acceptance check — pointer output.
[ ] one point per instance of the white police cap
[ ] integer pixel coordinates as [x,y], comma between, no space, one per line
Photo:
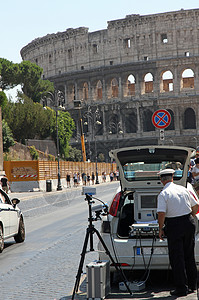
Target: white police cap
[166,172]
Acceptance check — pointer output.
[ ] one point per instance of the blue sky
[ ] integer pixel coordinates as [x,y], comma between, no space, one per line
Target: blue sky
[24,20]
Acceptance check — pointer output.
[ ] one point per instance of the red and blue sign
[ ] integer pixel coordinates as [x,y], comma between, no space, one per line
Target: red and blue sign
[161,118]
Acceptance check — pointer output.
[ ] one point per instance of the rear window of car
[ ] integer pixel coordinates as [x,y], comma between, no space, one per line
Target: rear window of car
[144,164]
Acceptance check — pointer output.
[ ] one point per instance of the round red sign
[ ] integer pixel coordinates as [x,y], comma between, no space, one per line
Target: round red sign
[161,118]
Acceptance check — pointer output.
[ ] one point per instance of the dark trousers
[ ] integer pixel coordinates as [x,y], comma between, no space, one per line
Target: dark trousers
[181,242]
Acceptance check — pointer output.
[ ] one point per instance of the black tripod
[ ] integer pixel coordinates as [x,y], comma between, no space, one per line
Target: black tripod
[89,234]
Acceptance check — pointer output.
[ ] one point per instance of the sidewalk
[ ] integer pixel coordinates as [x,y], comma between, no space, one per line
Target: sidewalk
[36,194]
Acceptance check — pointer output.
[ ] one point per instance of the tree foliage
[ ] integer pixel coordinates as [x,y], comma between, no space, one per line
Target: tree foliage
[74,154]
[8,140]
[27,74]
[27,119]
[66,126]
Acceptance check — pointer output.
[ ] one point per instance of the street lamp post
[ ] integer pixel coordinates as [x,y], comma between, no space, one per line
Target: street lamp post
[118,129]
[57,100]
[95,119]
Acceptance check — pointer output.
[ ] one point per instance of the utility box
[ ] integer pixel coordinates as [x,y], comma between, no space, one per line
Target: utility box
[98,279]
[48,185]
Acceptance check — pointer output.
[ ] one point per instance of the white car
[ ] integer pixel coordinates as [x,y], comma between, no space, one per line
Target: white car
[11,220]
[130,230]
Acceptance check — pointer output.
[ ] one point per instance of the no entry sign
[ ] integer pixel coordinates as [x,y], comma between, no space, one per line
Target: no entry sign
[161,118]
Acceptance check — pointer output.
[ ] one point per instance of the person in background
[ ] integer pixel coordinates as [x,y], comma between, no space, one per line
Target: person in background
[93,178]
[68,180]
[88,178]
[176,210]
[195,175]
[5,184]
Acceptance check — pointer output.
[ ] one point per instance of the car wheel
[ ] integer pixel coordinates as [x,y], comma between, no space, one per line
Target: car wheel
[20,237]
[1,239]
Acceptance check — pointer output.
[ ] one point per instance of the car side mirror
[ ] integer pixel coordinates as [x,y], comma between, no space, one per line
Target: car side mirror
[15,201]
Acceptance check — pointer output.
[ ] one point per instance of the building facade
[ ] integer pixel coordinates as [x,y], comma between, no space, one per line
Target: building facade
[123,74]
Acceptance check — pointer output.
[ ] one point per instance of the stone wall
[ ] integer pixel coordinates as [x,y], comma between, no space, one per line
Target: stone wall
[123,74]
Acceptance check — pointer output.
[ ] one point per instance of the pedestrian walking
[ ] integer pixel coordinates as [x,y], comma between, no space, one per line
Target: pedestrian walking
[176,210]
[68,180]
[93,178]
[88,178]
[84,179]
[75,179]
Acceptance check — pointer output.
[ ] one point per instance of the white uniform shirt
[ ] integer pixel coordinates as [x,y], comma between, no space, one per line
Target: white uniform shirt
[175,200]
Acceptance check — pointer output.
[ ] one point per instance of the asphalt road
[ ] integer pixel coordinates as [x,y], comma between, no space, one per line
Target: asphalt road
[45,266]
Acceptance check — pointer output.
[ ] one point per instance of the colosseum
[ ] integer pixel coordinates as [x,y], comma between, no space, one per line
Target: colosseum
[121,75]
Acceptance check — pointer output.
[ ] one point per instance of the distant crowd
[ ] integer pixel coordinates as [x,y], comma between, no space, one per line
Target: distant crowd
[76,178]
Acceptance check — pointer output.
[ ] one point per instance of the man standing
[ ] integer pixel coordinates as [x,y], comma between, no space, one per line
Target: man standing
[176,208]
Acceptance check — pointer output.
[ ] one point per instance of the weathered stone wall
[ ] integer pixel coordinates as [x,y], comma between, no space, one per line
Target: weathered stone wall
[124,73]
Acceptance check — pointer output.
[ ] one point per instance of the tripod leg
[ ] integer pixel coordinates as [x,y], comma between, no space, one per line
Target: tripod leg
[81,263]
[111,258]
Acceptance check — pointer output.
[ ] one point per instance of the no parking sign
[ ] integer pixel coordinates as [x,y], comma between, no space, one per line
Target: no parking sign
[161,118]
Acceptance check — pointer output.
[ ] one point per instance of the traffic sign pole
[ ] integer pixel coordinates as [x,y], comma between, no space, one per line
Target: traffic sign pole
[161,119]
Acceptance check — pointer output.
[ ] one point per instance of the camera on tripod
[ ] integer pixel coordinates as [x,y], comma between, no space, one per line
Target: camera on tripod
[86,190]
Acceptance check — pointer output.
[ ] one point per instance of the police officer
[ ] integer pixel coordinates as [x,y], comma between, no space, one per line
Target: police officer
[176,208]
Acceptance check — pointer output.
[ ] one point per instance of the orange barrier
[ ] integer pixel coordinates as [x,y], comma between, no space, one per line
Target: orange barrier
[44,170]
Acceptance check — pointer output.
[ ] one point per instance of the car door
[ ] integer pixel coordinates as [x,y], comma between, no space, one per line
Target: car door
[12,213]
[5,216]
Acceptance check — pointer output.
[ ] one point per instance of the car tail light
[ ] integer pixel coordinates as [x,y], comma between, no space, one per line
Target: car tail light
[120,265]
[114,205]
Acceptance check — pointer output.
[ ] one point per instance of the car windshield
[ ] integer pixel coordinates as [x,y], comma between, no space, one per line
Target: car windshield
[144,164]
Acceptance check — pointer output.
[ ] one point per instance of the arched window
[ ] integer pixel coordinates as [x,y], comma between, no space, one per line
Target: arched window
[131,123]
[114,87]
[148,83]
[187,80]
[166,84]
[172,124]
[189,119]
[99,90]
[131,85]
[147,121]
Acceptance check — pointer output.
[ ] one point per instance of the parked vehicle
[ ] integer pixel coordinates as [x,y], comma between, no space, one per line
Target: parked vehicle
[130,230]
[11,220]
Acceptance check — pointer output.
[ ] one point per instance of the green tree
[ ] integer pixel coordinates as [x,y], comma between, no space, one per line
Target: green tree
[32,84]
[74,154]
[3,99]
[27,119]
[8,140]
[10,74]
[66,126]
[27,74]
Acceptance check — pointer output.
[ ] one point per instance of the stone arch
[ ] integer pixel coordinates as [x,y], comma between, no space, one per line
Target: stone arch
[189,119]
[147,120]
[166,82]
[147,86]
[85,91]
[131,122]
[114,88]
[99,90]
[129,86]
[187,79]
[172,124]
[71,93]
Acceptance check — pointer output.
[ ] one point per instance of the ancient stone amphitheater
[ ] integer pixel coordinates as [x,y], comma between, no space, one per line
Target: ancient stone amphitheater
[123,74]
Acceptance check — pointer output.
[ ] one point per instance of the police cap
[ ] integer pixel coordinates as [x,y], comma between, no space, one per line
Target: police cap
[166,172]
